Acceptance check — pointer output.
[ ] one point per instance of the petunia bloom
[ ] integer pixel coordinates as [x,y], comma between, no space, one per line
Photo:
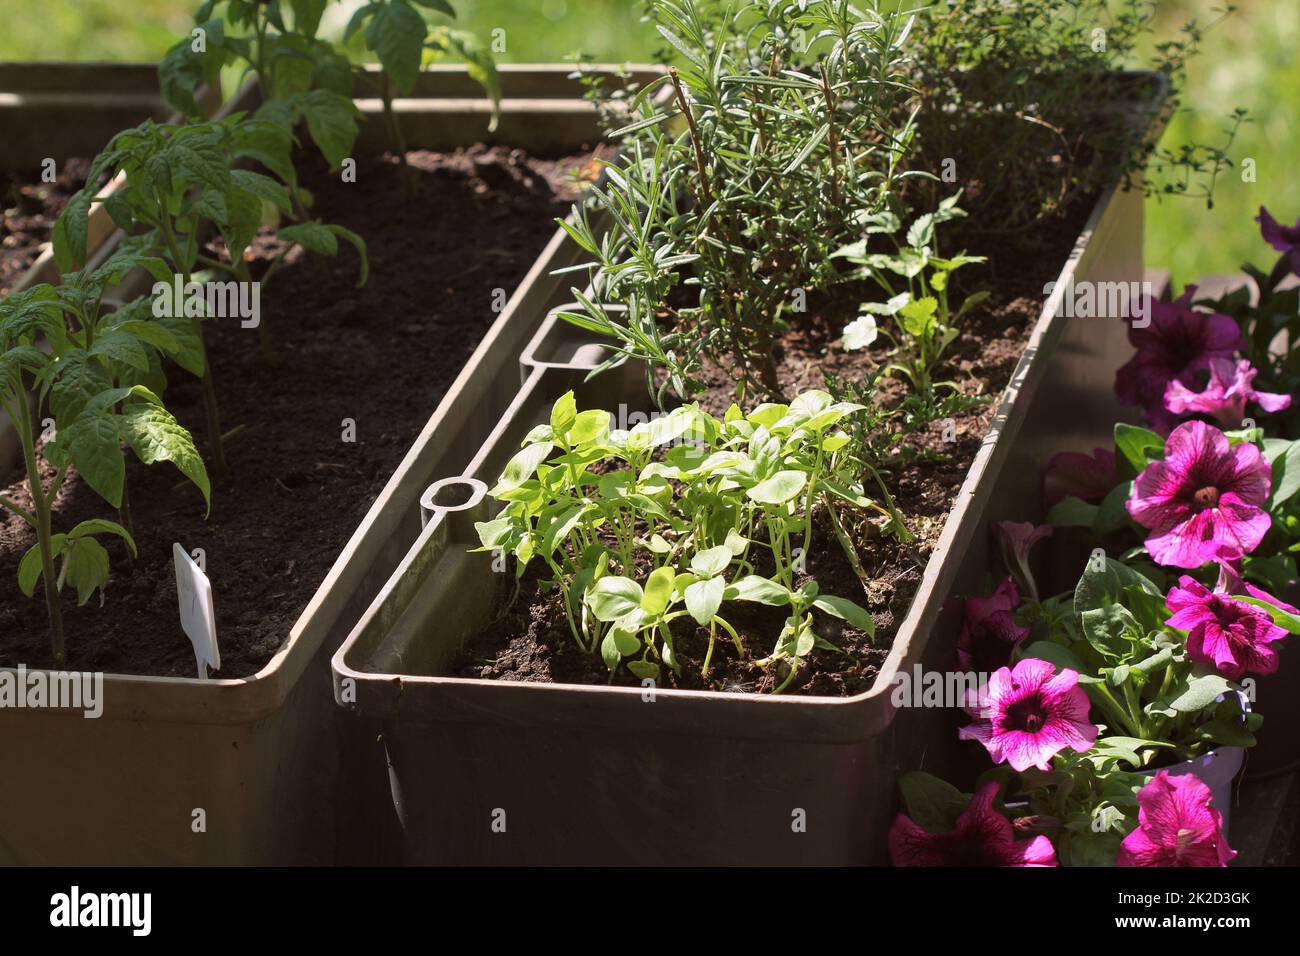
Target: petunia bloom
[1176,826]
[1074,474]
[989,632]
[982,837]
[1027,715]
[1229,635]
[1231,582]
[1178,342]
[1285,239]
[1225,394]
[1204,497]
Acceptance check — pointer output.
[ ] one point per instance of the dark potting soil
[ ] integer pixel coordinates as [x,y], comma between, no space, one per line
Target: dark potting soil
[530,640]
[382,355]
[28,211]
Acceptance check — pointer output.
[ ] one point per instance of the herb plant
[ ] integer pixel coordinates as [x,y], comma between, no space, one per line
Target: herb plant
[777,138]
[59,354]
[926,324]
[675,518]
[1020,98]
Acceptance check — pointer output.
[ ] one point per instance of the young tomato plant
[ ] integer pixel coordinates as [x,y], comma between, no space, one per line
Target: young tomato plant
[58,356]
[301,77]
[183,184]
[926,323]
[673,519]
[396,32]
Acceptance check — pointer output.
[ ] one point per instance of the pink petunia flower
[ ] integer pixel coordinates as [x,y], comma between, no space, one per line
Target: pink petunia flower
[989,632]
[1176,826]
[982,837]
[1225,395]
[1027,715]
[1074,474]
[1204,496]
[1178,342]
[1231,636]
[1285,239]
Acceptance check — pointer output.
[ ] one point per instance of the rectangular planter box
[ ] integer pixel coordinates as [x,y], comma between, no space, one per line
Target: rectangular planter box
[280,772]
[494,772]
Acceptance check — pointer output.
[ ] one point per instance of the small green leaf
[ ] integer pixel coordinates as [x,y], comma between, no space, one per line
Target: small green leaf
[1200,693]
[154,435]
[564,413]
[331,121]
[658,591]
[613,598]
[1138,446]
[759,589]
[618,643]
[85,566]
[396,33]
[780,488]
[713,561]
[29,570]
[703,598]
[522,467]
[846,610]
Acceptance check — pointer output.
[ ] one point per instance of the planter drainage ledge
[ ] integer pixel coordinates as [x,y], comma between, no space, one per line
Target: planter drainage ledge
[282,775]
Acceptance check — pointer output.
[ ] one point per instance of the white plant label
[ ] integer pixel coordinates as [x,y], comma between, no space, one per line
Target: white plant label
[199,621]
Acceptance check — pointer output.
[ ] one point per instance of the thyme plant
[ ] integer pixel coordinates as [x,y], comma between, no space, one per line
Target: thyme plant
[1029,102]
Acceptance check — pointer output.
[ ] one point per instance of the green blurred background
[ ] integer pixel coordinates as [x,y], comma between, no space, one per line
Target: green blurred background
[1248,61]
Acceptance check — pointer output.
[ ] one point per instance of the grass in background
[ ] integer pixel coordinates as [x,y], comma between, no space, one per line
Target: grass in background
[1246,61]
[1249,61]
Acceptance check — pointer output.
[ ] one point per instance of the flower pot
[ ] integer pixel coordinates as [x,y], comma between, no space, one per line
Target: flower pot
[531,773]
[278,772]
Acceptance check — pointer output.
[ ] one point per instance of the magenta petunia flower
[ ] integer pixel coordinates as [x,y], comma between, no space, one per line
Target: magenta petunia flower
[1026,715]
[1178,342]
[1176,826]
[982,837]
[1074,474]
[989,632]
[1229,635]
[1203,498]
[1285,239]
[1225,394]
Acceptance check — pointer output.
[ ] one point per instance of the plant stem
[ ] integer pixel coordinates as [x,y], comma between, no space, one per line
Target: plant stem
[209,384]
[124,512]
[18,509]
[269,354]
[705,188]
[833,140]
[43,533]
[1112,707]
[396,140]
